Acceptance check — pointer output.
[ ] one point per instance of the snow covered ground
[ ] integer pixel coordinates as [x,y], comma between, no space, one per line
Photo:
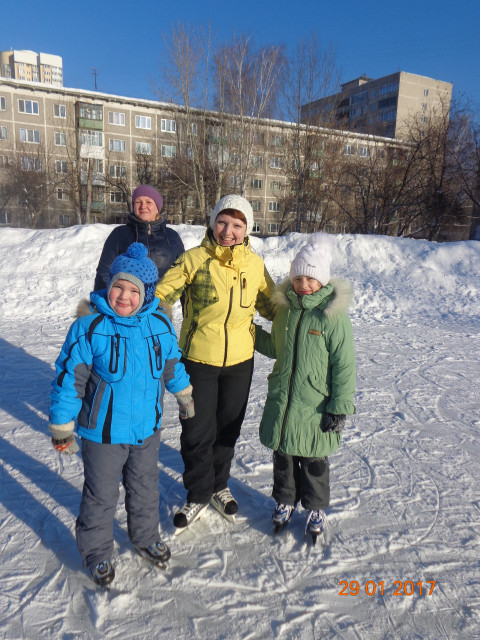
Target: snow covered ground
[405,509]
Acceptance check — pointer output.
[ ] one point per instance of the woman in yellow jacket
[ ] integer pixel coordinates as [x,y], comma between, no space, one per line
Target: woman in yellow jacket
[224,282]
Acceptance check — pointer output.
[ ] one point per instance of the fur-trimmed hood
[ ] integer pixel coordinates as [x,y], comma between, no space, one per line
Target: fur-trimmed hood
[86,307]
[339,301]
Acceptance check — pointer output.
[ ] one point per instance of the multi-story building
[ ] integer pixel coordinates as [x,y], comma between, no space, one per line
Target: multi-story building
[383,106]
[30,66]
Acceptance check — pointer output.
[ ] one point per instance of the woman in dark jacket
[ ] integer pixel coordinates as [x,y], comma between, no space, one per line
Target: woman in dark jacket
[145,225]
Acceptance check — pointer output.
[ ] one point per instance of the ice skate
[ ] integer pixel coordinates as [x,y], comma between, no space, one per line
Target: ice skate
[190,512]
[225,503]
[316,524]
[281,515]
[157,553]
[103,573]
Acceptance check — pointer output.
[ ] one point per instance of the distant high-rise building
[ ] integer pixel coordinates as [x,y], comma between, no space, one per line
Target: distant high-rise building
[30,66]
[383,106]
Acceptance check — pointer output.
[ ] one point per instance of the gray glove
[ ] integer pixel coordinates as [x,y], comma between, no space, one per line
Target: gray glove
[63,439]
[333,423]
[186,408]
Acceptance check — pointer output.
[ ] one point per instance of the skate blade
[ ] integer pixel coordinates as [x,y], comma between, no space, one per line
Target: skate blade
[179,530]
[151,562]
[227,516]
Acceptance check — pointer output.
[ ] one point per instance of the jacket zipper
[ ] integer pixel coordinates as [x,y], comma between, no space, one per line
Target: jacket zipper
[292,374]
[225,326]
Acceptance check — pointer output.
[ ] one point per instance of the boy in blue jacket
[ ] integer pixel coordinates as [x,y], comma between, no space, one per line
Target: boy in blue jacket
[111,375]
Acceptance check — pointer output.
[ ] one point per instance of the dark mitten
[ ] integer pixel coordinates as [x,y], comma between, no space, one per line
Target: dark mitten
[186,407]
[63,439]
[334,423]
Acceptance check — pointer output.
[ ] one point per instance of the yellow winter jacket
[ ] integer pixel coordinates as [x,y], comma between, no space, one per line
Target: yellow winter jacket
[223,287]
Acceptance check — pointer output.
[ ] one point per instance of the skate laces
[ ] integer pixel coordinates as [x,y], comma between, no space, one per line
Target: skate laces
[224,496]
[316,521]
[282,512]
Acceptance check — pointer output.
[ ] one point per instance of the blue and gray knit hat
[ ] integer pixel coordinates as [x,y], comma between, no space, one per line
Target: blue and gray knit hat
[136,267]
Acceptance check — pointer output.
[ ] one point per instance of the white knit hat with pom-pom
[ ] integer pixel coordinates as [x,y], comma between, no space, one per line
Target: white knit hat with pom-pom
[314,259]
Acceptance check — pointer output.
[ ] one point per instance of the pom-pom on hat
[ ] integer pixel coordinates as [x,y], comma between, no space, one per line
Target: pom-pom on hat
[149,192]
[234,202]
[135,266]
[314,259]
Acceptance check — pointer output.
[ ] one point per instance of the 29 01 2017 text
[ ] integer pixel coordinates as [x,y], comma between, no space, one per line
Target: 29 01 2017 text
[400,587]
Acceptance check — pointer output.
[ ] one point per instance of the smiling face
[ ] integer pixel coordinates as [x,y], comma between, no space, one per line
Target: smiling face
[305,285]
[229,230]
[145,209]
[124,297]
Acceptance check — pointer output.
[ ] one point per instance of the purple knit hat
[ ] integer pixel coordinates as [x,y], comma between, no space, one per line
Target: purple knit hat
[149,192]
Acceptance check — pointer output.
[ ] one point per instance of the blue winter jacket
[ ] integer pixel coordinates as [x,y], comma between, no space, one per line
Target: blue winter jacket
[164,246]
[112,372]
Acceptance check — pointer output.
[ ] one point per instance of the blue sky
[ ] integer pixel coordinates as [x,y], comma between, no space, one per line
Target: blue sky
[123,40]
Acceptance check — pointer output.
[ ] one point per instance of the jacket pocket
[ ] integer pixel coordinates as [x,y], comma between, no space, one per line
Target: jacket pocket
[95,391]
[247,296]
[155,355]
[319,384]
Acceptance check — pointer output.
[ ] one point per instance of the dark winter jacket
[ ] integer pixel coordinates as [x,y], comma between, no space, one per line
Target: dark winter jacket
[112,372]
[164,246]
[314,372]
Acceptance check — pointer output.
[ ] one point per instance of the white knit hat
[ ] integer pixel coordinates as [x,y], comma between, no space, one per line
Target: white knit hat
[314,259]
[234,202]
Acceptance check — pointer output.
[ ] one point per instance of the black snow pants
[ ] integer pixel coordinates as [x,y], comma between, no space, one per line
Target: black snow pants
[297,479]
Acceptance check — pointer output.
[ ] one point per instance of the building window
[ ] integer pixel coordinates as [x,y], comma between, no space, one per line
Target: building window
[63,220]
[3,133]
[118,171]
[256,161]
[3,103]
[193,129]
[364,152]
[425,92]
[30,135]
[59,111]
[60,139]
[348,150]
[28,106]
[389,115]
[116,117]
[256,228]
[388,88]
[97,165]
[169,150]
[234,182]
[169,126]
[5,217]
[258,138]
[256,183]
[143,122]
[256,205]
[424,106]
[61,166]
[62,194]
[117,196]
[143,148]
[276,162]
[273,227]
[31,164]
[234,157]
[274,206]
[91,138]
[275,185]
[117,145]
[91,112]
[277,141]
[4,162]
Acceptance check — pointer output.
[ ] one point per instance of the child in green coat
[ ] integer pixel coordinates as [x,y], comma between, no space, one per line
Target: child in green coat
[311,387]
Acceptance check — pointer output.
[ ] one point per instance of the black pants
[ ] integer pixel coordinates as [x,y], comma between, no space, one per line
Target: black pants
[297,479]
[208,439]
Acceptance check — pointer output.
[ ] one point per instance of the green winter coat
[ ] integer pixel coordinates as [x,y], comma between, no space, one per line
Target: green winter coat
[314,372]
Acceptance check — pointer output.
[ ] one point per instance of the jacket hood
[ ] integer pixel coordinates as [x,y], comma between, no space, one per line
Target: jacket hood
[337,294]
[98,304]
[224,254]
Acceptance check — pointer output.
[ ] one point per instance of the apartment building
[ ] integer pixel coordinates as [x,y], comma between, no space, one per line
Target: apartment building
[29,66]
[70,151]
[382,106]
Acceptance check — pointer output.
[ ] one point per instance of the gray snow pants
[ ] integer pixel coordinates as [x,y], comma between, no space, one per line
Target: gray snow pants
[297,479]
[104,465]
